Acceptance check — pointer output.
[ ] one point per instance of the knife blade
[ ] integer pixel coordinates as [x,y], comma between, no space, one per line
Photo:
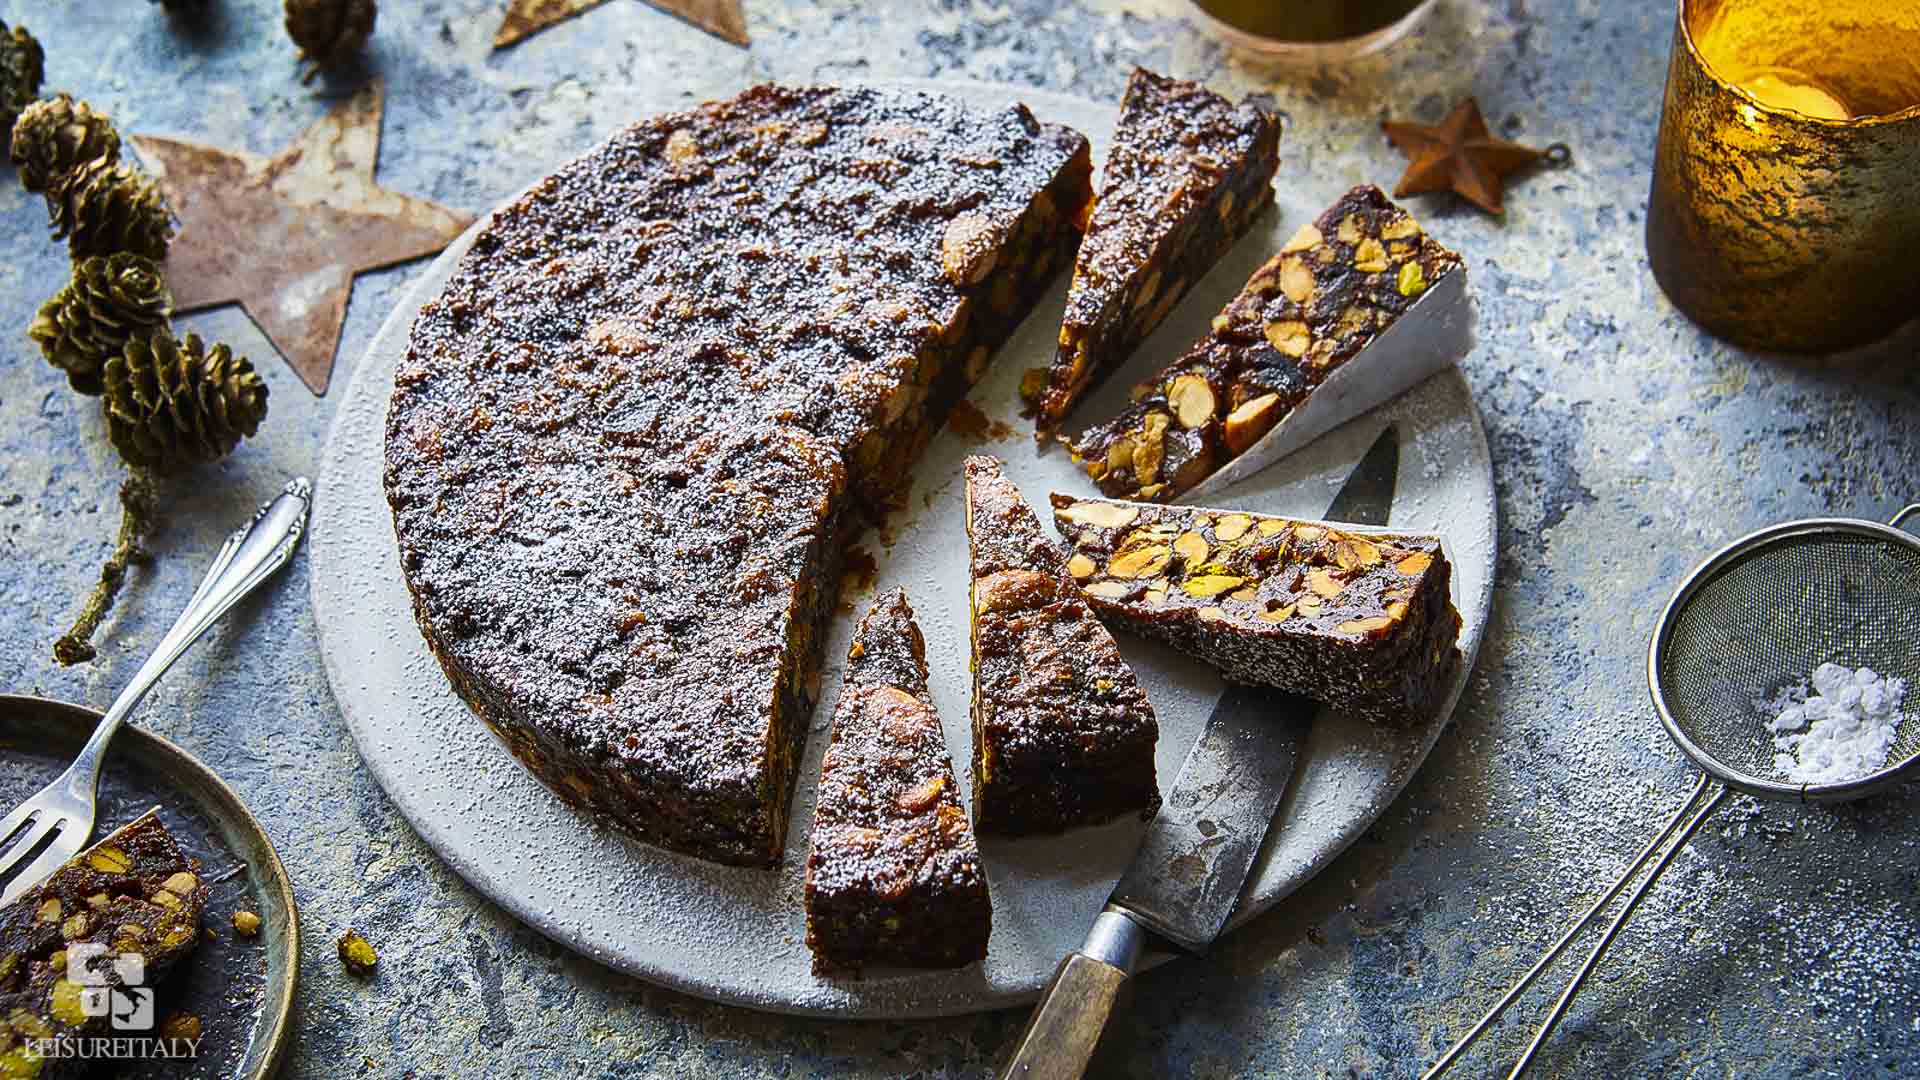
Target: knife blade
[1187,876]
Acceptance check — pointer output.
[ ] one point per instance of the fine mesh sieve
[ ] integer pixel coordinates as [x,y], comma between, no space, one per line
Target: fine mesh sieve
[1760,615]
[1753,620]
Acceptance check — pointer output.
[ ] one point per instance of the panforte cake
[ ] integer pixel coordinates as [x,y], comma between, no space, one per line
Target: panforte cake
[893,878]
[1362,621]
[134,893]
[1188,174]
[630,437]
[1063,734]
[1322,309]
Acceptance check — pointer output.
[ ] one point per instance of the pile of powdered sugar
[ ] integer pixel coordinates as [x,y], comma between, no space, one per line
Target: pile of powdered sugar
[1838,724]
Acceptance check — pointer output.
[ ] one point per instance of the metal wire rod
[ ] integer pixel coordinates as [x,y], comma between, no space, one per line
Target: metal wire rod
[1520,987]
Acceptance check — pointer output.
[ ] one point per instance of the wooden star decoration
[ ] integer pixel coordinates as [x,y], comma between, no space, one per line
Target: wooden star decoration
[283,236]
[721,18]
[1459,153]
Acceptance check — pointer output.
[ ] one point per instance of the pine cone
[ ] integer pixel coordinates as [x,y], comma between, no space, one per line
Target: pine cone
[101,208]
[22,66]
[172,404]
[54,136]
[89,321]
[329,31]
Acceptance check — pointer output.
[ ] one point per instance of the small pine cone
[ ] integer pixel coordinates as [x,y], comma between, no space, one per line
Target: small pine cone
[173,404]
[101,208]
[22,66]
[329,31]
[88,322]
[54,136]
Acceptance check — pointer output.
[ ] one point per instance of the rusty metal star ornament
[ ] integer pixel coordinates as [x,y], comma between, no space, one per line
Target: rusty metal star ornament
[1460,154]
[283,236]
[721,18]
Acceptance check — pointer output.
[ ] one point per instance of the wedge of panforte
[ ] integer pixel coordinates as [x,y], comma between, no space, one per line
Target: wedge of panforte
[631,436]
[1188,174]
[1358,307]
[1362,621]
[1063,734]
[894,876]
[126,910]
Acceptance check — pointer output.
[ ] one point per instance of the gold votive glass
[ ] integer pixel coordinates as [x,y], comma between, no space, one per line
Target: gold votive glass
[1308,33]
[1785,213]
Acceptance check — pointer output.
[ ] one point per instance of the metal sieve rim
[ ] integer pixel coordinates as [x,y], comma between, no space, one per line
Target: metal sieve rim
[1836,791]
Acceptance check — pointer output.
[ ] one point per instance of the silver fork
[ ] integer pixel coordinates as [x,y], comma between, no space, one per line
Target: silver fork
[249,557]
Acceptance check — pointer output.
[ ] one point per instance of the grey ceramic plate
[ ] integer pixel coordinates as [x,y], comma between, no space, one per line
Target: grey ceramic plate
[737,935]
[241,989]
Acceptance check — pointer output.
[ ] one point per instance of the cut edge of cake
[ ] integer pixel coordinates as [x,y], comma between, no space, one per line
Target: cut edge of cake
[1361,619]
[1357,308]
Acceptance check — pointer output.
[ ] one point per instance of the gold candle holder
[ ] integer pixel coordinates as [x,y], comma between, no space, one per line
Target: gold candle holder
[1785,212]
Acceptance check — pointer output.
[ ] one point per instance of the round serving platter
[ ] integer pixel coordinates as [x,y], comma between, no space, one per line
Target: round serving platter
[241,989]
[738,935]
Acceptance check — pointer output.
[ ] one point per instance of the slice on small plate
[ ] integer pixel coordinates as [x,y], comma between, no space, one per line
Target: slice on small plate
[91,938]
[1359,619]
[1188,174]
[894,875]
[1063,734]
[1358,307]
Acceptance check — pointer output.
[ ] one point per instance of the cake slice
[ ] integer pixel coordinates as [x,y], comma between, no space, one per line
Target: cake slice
[894,875]
[1326,330]
[1188,174]
[1062,733]
[1361,620]
[119,914]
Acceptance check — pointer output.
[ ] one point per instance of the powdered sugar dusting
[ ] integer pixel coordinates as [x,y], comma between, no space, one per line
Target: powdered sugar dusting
[1838,724]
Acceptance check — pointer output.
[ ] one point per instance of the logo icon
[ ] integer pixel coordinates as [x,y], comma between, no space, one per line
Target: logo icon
[111,985]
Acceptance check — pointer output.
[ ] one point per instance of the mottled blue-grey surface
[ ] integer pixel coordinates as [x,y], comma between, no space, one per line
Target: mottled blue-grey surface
[1626,445]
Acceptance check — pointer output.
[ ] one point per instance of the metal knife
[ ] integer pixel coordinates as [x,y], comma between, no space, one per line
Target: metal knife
[1187,875]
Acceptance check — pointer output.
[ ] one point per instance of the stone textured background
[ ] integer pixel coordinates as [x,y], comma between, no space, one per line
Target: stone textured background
[1627,445]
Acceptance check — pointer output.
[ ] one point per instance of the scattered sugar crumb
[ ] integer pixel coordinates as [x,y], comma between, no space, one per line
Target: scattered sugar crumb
[1838,724]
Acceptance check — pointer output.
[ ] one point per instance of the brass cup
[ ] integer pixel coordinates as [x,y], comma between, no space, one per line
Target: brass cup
[1777,230]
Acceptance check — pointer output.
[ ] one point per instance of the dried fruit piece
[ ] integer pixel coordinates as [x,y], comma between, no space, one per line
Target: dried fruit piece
[246,923]
[357,954]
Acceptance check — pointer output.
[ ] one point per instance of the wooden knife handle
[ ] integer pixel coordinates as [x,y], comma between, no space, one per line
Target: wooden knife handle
[1067,1025]
[1065,1030]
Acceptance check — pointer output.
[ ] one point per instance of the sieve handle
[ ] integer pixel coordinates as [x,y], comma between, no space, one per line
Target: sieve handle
[1613,929]
[1690,806]
[1900,518]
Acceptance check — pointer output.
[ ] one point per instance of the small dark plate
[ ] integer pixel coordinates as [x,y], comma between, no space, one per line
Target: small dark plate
[242,989]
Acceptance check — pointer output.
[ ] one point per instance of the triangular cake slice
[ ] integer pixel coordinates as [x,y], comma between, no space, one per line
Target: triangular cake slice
[1357,308]
[1063,734]
[1188,174]
[894,876]
[137,897]
[1359,619]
